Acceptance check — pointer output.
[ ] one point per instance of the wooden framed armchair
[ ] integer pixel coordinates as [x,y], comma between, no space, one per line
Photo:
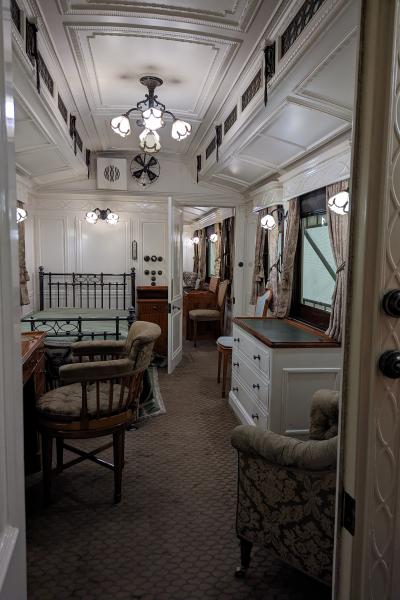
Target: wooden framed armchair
[286,491]
[211,315]
[98,398]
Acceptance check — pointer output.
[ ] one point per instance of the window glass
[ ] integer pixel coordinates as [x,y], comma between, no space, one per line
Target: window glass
[211,255]
[318,269]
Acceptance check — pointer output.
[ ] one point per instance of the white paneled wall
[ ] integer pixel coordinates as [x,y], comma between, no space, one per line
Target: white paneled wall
[60,240]
[188,251]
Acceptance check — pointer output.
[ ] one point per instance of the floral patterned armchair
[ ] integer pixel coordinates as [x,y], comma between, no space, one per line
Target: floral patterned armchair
[286,491]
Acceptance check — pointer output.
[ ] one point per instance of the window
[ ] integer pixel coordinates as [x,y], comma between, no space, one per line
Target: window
[210,252]
[315,268]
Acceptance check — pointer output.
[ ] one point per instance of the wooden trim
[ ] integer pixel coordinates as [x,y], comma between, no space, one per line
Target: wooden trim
[323,340]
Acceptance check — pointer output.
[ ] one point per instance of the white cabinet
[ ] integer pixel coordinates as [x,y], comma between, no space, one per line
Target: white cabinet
[272,387]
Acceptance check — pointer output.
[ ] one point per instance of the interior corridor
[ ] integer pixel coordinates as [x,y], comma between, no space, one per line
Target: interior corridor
[173,535]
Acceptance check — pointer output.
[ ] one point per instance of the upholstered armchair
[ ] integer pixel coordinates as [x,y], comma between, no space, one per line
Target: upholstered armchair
[97,398]
[109,349]
[286,491]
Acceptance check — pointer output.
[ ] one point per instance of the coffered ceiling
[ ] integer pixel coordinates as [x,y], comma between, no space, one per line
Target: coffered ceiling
[105,47]
[207,52]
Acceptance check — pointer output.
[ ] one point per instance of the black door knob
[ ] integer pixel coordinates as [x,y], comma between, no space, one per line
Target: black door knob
[389,364]
[240,264]
[391,303]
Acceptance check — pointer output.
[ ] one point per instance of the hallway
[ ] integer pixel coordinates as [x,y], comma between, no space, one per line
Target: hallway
[173,535]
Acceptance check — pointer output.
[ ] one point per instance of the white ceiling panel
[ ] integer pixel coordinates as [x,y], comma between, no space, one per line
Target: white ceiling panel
[303,126]
[270,150]
[245,171]
[333,80]
[41,162]
[28,136]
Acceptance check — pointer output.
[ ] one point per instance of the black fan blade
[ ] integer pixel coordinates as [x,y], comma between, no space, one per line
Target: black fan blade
[153,161]
[139,160]
[152,176]
[138,173]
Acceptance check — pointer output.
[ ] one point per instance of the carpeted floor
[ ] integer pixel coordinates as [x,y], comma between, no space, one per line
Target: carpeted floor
[173,535]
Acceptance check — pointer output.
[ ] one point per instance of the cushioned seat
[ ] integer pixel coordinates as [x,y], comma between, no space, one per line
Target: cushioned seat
[65,403]
[226,341]
[205,314]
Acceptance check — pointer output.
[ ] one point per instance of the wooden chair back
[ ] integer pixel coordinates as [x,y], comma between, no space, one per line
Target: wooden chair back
[262,304]
[213,285]
[223,288]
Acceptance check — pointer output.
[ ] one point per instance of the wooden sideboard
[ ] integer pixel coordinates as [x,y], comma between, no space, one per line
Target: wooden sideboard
[34,381]
[193,299]
[152,306]
[277,365]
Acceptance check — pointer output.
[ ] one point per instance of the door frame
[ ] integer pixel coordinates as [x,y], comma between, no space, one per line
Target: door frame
[12,496]
[175,300]
[365,565]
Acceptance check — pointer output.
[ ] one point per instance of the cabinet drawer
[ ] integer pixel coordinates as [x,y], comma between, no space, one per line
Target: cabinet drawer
[256,353]
[249,404]
[251,378]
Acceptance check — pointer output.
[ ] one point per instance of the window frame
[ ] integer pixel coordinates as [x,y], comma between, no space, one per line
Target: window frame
[313,203]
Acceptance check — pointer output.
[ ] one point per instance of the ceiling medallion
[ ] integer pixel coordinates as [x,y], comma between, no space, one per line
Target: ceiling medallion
[145,169]
[152,112]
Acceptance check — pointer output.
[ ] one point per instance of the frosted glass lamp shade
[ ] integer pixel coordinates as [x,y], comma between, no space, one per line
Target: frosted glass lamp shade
[213,237]
[339,203]
[91,217]
[180,130]
[112,218]
[195,239]
[152,118]
[121,125]
[150,141]
[21,214]
[268,222]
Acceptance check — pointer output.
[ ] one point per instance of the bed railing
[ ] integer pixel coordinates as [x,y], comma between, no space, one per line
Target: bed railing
[79,327]
[87,290]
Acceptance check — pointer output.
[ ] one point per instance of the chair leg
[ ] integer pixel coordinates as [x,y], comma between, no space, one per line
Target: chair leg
[118,447]
[60,453]
[245,556]
[219,366]
[47,451]
[195,333]
[224,373]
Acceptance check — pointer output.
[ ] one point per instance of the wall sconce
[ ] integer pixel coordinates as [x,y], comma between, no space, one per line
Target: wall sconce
[340,203]
[105,215]
[195,239]
[213,238]
[269,222]
[21,214]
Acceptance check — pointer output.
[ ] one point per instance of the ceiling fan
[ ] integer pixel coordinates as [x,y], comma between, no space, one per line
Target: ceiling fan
[145,169]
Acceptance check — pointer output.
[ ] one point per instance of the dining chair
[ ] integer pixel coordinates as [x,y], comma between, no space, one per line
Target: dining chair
[210,315]
[97,398]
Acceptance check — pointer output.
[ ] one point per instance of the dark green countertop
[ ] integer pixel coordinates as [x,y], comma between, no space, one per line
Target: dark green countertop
[284,333]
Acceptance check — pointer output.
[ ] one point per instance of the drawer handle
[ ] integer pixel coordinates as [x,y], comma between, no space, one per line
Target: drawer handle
[235,389]
[256,357]
[235,364]
[256,386]
[236,339]
[255,417]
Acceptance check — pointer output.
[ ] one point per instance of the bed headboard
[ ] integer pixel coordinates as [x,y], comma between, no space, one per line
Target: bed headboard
[87,290]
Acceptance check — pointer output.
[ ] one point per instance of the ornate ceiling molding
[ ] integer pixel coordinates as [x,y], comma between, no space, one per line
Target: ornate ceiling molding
[227,48]
[119,8]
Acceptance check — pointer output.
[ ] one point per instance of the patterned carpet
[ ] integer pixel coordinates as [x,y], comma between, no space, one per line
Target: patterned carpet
[173,536]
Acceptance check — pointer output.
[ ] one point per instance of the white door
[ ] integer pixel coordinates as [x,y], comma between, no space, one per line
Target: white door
[12,509]
[368,545]
[175,285]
